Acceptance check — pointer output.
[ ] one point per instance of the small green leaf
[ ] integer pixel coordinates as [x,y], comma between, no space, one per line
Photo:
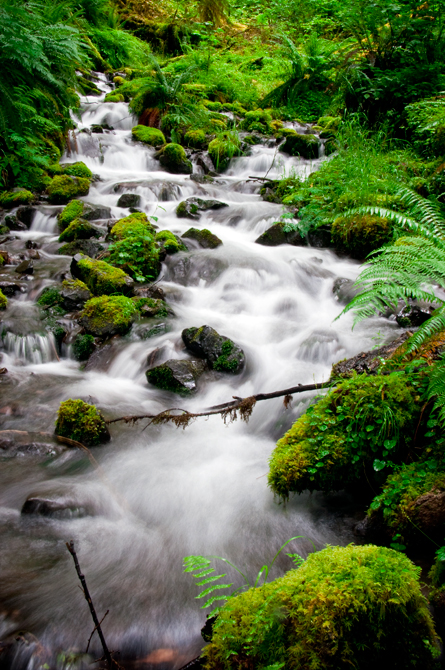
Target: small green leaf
[378,465]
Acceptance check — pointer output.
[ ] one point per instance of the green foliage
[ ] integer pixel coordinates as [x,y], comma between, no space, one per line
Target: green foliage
[160,91]
[134,249]
[151,136]
[104,310]
[63,187]
[195,139]
[118,47]
[79,421]
[305,146]
[102,278]
[72,211]
[259,120]
[3,300]
[346,606]
[133,224]
[78,229]
[169,242]
[78,169]
[223,148]
[361,234]
[83,347]
[15,198]
[363,424]
[50,296]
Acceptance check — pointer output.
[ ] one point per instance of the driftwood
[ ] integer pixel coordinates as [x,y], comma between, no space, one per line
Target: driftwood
[228,410]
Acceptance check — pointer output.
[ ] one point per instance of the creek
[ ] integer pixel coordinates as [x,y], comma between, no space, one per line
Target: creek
[162,493]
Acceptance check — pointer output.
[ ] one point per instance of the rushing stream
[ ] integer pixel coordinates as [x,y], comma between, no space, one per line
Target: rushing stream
[162,493]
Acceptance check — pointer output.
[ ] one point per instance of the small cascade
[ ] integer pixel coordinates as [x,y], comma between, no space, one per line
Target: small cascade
[34,349]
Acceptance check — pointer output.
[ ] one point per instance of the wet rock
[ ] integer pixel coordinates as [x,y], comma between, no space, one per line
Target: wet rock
[74,294]
[205,162]
[154,291]
[9,288]
[55,509]
[173,158]
[192,207]
[25,214]
[178,376]
[320,237]
[276,235]
[94,212]
[412,316]
[33,254]
[90,248]
[13,223]
[372,529]
[369,360]
[145,332]
[220,352]
[430,510]
[202,178]
[30,244]
[100,277]
[23,443]
[204,238]
[97,129]
[129,200]
[25,267]
[189,271]
[269,195]
[344,290]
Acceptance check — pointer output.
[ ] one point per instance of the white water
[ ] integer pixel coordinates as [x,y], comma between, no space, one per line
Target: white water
[164,493]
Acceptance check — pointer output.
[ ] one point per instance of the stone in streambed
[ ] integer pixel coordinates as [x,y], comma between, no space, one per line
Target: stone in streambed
[25,268]
[79,209]
[178,376]
[276,235]
[192,207]
[105,315]
[74,294]
[412,316]
[204,237]
[56,509]
[90,248]
[101,277]
[81,422]
[220,352]
[344,290]
[129,200]
[79,229]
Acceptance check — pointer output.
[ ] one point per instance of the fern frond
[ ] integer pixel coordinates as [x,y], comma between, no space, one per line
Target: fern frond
[436,389]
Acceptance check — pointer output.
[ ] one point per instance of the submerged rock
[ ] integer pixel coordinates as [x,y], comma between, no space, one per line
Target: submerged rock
[412,316]
[344,290]
[220,352]
[129,200]
[203,237]
[25,268]
[276,235]
[178,376]
[192,207]
[57,509]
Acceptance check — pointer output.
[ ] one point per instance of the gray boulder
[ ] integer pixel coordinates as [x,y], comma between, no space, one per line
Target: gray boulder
[178,376]
[276,235]
[344,290]
[129,200]
[94,212]
[90,248]
[74,295]
[220,352]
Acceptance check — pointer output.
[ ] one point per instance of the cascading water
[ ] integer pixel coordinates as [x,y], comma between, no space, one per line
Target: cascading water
[161,493]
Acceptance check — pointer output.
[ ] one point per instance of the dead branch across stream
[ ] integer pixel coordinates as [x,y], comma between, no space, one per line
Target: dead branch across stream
[228,410]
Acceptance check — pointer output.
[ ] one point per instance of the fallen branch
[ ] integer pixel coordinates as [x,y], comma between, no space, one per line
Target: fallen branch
[228,410]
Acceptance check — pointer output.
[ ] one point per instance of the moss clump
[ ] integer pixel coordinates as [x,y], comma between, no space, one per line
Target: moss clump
[134,224]
[64,187]
[226,362]
[3,300]
[151,136]
[204,237]
[81,422]
[20,196]
[258,120]
[49,297]
[195,139]
[108,315]
[78,169]
[83,347]
[134,249]
[361,234]
[223,148]
[346,607]
[174,159]
[305,146]
[349,434]
[152,307]
[118,80]
[78,229]
[113,96]
[169,242]
[102,278]
[72,211]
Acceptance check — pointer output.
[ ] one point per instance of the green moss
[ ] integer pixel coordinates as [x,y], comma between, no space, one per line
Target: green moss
[151,136]
[174,159]
[213,106]
[78,169]
[73,284]
[78,229]
[83,347]
[102,278]
[104,310]
[162,377]
[346,607]
[360,234]
[72,211]
[49,297]
[135,250]
[363,421]
[113,96]
[195,139]
[305,146]
[151,307]
[223,363]
[169,242]
[223,148]
[15,198]
[3,300]
[81,422]
[134,224]
[118,80]
[329,122]
[182,210]
[64,187]
[258,120]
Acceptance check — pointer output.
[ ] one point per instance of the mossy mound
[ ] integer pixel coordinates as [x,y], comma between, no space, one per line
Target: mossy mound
[50,296]
[113,96]
[152,307]
[133,224]
[78,169]
[83,347]
[3,300]
[196,139]
[19,196]
[151,136]
[79,229]
[174,159]
[77,209]
[100,277]
[346,607]
[204,237]
[350,434]
[135,250]
[223,148]
[361,234]
[105,316]
[220,352]
[64,187]
[305,146]
[258,120]
[169,242]
[79,421]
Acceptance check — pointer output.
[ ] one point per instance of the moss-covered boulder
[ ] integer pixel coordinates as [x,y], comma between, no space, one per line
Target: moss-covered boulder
[259,120]
[278,234]
[192,207]
[79,229]
[346,607]
[78,169]
[134,249]
[74,294]
[360,234]
[223,148]
[83,347]
[203,237]
[113,96]
[105,316]
[196,139]
[150,307]
[79,421]
[3,300]
[174,159]
[101,277]
[134,224]
[16,197]
[50,296]
[177,376]
[147,135]
[305,146]
[90,248]
[220,352]
[77,209]
[169,242]
[64,188]
[353,433]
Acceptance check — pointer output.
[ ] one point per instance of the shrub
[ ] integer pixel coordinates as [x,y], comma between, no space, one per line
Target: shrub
[134,249]
[151,136]
[50,296]
[356,427]
[81,422]
[63,187]
[101,277]
[360,234]
[108,315]
[19,196]
[344,607]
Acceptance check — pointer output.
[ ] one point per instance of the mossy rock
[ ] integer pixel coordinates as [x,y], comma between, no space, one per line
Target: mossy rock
[79,421]
[77,209]
[204,237]
[252,140]
[223,148]
[16,197]
[177,376]
[277,234]
[346,607]
[3,300]
[64,187]
[74,294]
[134,224]
[360,234]
[341,441]
[258,120]
[147,135]
[152,307]
[78,169]
[83,347]
[79,229]
[196,139]
[134,250]
[174,159]
[105,315]
[118,80]
[90,248]
[50,296]
[169,242]
[113,96]
[192,207]
[213,106]
[220,352]
[101,277]
[305,146]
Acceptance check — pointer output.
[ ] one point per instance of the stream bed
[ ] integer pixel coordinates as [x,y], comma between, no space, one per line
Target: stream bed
[162,493]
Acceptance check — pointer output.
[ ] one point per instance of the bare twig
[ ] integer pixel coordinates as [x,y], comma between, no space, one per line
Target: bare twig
[94,630]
